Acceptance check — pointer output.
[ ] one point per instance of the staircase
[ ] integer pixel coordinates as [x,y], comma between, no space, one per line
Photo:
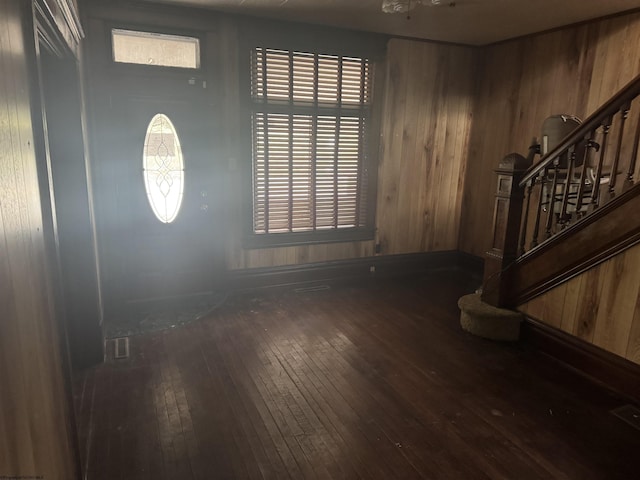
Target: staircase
[576,207]
[568,213]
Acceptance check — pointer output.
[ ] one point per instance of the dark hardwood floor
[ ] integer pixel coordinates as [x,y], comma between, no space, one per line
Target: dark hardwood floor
[374,382]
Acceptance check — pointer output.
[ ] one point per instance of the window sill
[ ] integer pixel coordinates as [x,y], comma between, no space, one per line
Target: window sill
[288,239]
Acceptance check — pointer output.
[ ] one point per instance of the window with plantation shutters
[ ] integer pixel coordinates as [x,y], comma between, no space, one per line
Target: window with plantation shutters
[310,114]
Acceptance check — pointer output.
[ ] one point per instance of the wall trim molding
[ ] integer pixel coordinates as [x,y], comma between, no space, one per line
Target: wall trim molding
[614,372]
[353,269]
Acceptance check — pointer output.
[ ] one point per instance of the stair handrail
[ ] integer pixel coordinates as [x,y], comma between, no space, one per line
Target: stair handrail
[595,120]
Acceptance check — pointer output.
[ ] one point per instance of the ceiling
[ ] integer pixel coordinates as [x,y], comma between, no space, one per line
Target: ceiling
[473,22]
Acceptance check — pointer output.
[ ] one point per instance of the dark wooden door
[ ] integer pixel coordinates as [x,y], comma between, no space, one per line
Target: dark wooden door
[159,259]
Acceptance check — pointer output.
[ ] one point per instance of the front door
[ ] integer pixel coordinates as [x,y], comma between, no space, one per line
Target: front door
[162,186]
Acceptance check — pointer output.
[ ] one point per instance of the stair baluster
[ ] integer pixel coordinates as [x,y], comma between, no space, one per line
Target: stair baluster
[563,217]
[536,227]
[523,233]
[629,181]
[624,112]
[588,146]
[595,194]
[552,201]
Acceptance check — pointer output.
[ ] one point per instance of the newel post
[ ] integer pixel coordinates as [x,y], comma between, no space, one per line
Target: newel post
[507,215]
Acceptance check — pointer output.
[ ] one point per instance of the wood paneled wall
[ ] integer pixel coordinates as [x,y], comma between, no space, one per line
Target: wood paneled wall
[601,306]
[427,97]
[35,432]
[426,123]
[573,70]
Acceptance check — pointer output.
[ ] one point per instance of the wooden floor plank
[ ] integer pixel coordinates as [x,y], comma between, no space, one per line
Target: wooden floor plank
[279,455]
[315,383]
[330,441]
[339,373]
[371,381]
[299,426]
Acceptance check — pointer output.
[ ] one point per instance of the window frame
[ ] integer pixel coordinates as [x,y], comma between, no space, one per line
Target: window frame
[147,176]
[369,166]
[152,70]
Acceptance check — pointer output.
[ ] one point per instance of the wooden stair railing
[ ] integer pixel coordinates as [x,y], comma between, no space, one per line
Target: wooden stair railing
[539,205]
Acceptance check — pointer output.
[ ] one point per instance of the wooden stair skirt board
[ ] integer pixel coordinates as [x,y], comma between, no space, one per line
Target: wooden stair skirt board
[354,269]
[603,234]
[614,372]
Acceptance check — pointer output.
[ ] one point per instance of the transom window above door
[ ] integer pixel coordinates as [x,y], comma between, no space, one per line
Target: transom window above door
[157,49]
[310,120]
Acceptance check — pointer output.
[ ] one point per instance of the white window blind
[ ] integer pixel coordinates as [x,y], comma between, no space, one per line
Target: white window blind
[310,114]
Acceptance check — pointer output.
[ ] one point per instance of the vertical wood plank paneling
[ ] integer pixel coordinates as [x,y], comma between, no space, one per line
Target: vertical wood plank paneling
[600,46]
[464,118]
[590,293]
[617,304]
[440,185]
[499,86]
[633,346]
[535,307]
[418,207]
[601,306]
[571,303]
[13,409]
[428,167]
[554,306]
[573,70]
[436,184]
[35,433]
[414,119]
[425,75]
[393,132]
[609,66]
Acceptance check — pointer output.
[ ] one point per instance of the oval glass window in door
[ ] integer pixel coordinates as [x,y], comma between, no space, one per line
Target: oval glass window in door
[163,168]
